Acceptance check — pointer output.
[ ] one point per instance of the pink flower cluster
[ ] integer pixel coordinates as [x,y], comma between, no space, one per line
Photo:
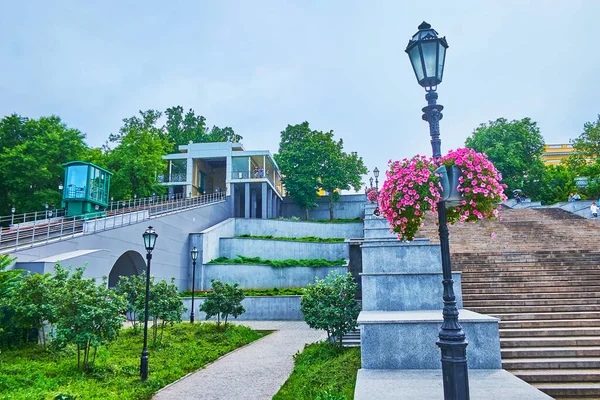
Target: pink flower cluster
[372,195]
[411,188]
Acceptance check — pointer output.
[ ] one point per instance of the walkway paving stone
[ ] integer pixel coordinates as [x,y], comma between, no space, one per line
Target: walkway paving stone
[254,372]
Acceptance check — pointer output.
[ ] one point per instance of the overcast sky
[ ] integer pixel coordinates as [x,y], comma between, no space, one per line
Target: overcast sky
[258,66]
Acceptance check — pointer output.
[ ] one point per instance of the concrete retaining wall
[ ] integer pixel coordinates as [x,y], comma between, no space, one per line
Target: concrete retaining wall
[258,308]
[350,206]
[282,250]
[261,227]
[262,276]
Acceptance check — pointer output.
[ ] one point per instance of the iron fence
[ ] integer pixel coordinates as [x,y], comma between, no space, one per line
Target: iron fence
[27,230]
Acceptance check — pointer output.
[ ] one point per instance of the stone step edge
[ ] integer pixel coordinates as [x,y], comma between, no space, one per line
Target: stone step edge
[422,316]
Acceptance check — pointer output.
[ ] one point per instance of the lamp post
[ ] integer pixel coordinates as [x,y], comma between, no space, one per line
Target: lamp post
[194,253]
[149,241]
[12,215]
[46,210]
[427,54]
[376,174]
[371,183]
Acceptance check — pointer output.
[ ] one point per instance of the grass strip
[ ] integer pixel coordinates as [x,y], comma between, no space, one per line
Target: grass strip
[322,371]
[253,292]
[35,373]
[309,262]
[320,221]
[310,239]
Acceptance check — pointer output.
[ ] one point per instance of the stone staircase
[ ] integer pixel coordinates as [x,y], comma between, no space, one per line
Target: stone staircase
[540,275]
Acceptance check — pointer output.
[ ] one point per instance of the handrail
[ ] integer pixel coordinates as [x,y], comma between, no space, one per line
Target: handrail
[40,227]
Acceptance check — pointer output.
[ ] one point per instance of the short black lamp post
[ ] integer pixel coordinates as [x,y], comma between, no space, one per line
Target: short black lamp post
[149,241]
[12,215]
[376,174]
[194,253]
[427,53]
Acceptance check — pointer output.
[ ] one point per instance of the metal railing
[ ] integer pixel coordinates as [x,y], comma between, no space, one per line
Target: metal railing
[28,230]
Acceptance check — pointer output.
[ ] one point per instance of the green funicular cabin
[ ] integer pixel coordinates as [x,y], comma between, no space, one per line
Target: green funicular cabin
[86,189]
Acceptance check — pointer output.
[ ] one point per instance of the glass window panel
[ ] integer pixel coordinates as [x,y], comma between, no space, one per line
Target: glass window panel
[239,163]
[76,181]
[440,70]
[415,59]
[430,57]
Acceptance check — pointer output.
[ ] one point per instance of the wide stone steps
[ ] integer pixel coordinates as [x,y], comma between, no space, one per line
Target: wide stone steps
[552,375]
[539,352]
[528,296]
[551,363]
[556,323]
[512,280]
[535,282]
[530,333]
[587,390]
[531,289]
[546,315]
[530,302]
[535,309]
[541,277]
[565,341]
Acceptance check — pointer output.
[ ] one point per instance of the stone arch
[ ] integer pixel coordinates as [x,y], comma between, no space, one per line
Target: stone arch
[130,263]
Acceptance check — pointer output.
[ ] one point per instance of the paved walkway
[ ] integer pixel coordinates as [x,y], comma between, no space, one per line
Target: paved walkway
[254,372]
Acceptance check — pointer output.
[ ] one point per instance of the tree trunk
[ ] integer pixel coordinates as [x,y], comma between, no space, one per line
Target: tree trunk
[341,336]
[154,330]
[78,356]
[306,213]
[162,329]
[331,208]
[218,322]
[95,350]
[225,324]
[43,333]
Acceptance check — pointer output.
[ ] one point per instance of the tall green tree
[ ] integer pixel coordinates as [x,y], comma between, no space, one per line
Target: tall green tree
[32,152]
[311,160]
[515,147]
[585,161]
[182,128]
[298,158]
[339,170]
[136,161]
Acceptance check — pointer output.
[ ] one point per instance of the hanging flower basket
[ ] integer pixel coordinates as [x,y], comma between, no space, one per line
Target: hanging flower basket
[372,195]
[413,186]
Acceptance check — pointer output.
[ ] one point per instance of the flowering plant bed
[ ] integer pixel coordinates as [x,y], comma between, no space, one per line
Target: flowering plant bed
[412,188]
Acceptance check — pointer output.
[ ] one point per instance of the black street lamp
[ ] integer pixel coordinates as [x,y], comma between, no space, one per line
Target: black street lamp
[371,182]
[149,241]
[12,215]
[376,174]
[194,258]
[427,53]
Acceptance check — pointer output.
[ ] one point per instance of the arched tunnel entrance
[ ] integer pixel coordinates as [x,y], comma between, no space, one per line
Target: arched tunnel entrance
[130,263]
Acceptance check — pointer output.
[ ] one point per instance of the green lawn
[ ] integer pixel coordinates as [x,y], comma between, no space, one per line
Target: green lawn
[322,372]
[33,373]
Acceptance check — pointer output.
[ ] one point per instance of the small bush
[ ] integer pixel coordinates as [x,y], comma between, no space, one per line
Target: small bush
[330,304]
[224,300]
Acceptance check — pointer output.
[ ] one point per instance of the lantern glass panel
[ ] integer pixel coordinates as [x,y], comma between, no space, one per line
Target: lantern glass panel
[442,55]
[415,59]
[430,57]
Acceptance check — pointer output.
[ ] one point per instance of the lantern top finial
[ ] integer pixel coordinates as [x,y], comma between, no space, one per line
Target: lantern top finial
[424,25]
